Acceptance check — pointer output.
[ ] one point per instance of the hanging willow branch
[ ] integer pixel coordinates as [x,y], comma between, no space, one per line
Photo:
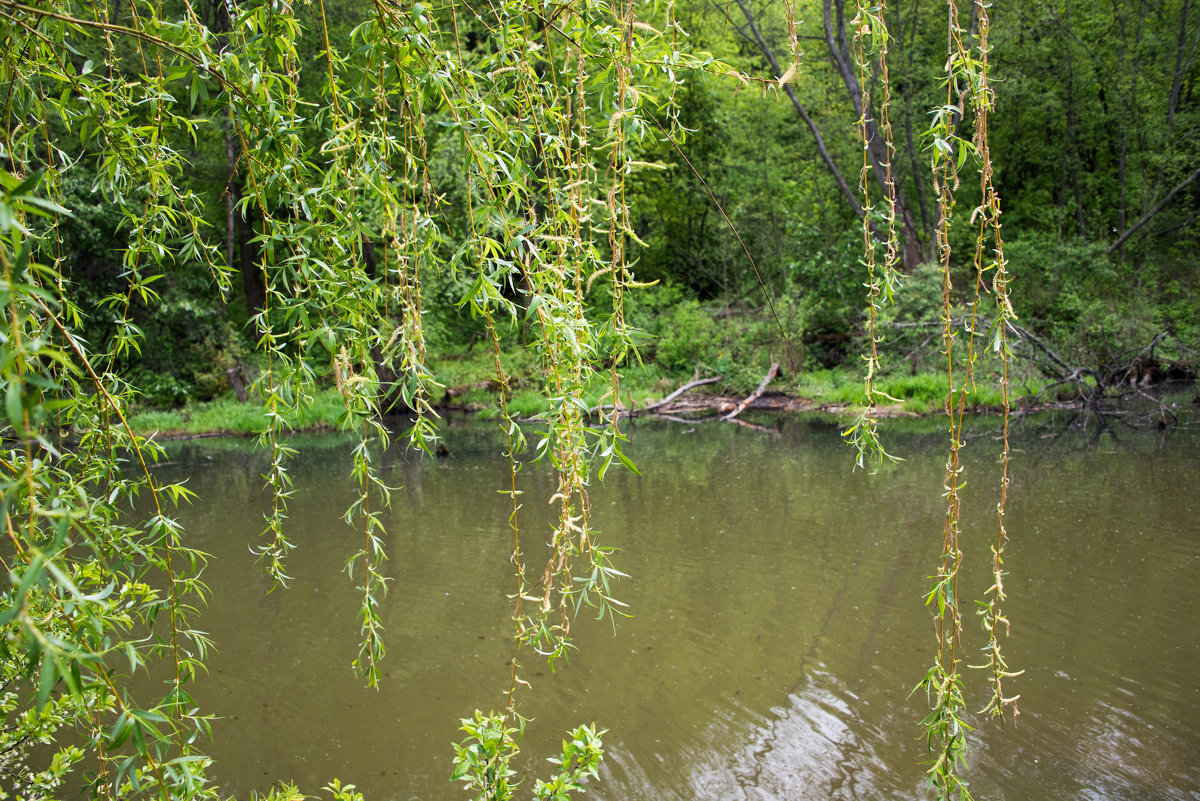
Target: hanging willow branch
[333,179]
[992,260]
[946,730]
[871,39]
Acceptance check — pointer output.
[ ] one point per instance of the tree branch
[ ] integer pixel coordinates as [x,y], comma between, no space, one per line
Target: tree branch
[756,394]
[1154,211]
[765,49]
[137,34]
[647,409]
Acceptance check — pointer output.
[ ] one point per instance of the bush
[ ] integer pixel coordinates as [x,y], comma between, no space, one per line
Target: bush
[688,336]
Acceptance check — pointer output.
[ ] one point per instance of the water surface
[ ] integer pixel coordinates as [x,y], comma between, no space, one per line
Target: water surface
[777,626]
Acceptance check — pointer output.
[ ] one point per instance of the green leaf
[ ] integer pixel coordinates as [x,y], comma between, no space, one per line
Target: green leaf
[13,404]
[45,682]
[625,460]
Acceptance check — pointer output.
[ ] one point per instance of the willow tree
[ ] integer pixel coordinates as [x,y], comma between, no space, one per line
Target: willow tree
[545,107]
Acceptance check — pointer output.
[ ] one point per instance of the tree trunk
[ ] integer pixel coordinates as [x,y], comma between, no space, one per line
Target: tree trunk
[1181,67]
[913,248]
[232,188]
[1072,148]
[838,48]
[909,140]
[253,282]
[240,252]
[756,38]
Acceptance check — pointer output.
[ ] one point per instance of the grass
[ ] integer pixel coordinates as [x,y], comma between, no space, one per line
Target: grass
[227,416]
[922,393]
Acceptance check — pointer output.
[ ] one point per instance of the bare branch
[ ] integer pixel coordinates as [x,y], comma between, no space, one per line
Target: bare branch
[1154,211]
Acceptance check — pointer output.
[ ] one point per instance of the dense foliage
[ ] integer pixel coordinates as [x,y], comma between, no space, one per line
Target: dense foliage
[332,127]
[1094,141]
[317,194]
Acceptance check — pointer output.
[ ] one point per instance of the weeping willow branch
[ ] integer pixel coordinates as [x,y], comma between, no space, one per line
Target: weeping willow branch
[992,260]
[967,79]
[871,38]
[530,225]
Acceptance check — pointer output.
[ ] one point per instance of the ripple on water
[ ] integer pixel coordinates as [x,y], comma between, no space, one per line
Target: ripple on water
[816,746]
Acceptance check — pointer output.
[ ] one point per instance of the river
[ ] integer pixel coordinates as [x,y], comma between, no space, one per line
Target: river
[777,621]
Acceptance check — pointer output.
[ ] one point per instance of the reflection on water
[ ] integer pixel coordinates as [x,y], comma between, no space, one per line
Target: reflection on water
[777,631]
[810,748]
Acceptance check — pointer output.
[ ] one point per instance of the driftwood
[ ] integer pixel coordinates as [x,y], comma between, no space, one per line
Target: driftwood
[756,394]
[689,385]
[1118,376]
[649,408]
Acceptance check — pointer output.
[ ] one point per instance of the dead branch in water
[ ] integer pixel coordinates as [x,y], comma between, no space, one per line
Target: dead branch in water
[756,394]
[649,408]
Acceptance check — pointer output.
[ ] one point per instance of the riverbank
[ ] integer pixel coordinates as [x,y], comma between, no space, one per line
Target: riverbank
[646,390]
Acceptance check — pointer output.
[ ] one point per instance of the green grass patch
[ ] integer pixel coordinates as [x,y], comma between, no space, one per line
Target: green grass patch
[920,393]
[227,416]
[834,387]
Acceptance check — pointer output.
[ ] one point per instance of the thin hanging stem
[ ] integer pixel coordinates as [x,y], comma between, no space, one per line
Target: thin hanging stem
[992,260]
[871,39]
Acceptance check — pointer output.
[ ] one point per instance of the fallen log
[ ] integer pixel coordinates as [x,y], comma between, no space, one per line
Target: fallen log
[649,408]
[689,385]
[756,394]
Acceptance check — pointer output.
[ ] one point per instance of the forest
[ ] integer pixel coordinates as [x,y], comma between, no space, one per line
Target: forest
[339,213]
[754,199]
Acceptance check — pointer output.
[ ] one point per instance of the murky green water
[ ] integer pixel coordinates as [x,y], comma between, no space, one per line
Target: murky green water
[778,624]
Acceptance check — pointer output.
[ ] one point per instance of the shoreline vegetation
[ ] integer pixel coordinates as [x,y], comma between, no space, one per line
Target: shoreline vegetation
[645,392]
[701,362]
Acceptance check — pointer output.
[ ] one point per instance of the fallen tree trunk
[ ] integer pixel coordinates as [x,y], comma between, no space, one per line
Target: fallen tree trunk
[649,408]
[689,385]
[1131,230]
[756,394]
